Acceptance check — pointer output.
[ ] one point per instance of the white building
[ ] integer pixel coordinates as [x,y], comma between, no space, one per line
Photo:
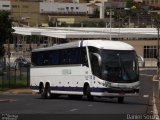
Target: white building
[5,5]
[63,8]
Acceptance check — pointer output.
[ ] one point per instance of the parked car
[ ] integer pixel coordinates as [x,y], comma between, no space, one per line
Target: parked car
[21,62]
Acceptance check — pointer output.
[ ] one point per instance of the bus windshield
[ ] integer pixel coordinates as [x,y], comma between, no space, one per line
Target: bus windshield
[119,66]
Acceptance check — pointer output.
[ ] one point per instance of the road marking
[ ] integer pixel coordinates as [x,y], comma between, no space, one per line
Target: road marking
[72,110]
[90,105]
[145,96]
[146,75]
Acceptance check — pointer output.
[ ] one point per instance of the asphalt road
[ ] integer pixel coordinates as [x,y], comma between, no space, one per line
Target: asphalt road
[28,106]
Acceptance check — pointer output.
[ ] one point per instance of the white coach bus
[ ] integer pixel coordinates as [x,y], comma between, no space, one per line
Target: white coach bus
[86,68]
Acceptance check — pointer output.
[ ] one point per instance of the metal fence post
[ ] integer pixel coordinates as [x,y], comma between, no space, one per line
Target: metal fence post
[20,68]
[15,76]
[28,75]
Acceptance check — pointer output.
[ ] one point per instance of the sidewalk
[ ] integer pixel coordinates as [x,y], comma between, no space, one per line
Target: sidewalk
[157,101]
[18,91]
[156,95]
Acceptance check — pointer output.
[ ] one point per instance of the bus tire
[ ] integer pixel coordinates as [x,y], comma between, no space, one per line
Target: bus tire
[120,99]
[47,92]
[87,92]
[42,90]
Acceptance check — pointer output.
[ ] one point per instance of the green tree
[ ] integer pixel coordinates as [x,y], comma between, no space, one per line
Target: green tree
[129,3]
[5,30]
[157,20]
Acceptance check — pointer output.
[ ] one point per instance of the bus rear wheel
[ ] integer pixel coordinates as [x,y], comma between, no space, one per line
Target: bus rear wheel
[47,92]
[42,90]
[120,99]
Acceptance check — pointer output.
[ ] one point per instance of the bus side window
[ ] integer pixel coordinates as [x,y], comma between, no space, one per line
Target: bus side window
[74,56]
[54,58]
[46,58]
[64,56]
[39,59]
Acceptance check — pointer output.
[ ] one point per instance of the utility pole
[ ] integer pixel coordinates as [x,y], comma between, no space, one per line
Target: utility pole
[19,6]
[110,20]
[102,10]
[9,55]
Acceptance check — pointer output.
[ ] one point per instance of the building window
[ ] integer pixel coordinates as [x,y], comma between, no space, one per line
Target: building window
[25,6]
[15,6]
[77,8]
[5,5]
[150,51]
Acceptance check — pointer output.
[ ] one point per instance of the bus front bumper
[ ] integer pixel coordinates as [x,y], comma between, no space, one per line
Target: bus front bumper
[116,93]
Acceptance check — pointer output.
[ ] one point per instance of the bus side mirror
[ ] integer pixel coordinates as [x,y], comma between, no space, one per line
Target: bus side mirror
[99,58]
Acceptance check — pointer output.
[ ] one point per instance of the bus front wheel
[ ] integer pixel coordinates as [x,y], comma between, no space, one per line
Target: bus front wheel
[87,92]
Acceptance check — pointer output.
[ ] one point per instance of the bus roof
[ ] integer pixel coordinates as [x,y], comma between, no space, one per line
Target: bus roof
[101,44]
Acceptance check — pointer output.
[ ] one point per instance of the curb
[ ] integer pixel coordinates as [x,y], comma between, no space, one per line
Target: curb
[7,100]
[18,91]
[155,110]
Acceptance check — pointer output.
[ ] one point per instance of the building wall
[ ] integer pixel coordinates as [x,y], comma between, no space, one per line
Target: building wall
[139,45]
[155,3]
[26,12]
[5,5]
[47,7]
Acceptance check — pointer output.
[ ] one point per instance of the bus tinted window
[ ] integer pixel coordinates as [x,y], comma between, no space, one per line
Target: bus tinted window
[54,58]
[59,57]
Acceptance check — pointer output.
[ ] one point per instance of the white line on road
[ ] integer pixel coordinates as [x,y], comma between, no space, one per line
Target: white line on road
[90,105]
[72,110]
[146,75]
[145,96]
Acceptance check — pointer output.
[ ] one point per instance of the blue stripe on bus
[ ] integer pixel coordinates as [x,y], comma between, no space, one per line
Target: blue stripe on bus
[76,89]
[80,89]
